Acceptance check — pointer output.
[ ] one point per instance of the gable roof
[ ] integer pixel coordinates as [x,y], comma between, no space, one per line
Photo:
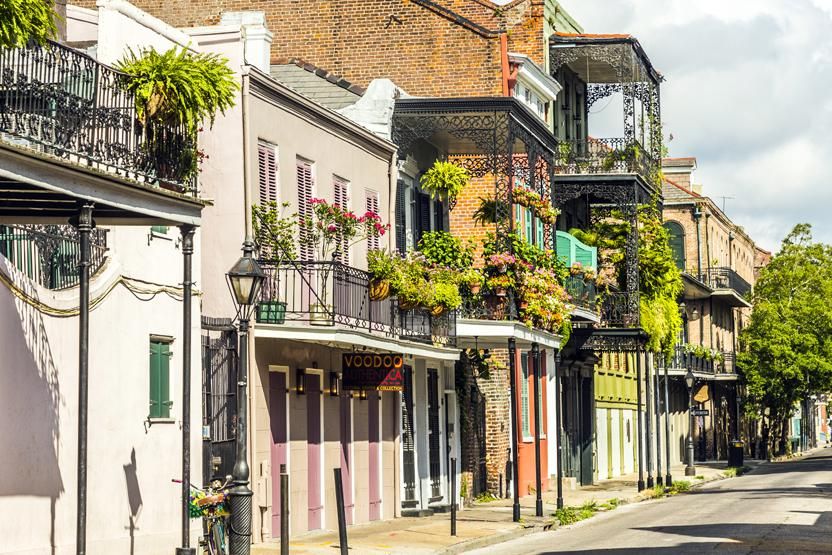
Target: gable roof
[320,85]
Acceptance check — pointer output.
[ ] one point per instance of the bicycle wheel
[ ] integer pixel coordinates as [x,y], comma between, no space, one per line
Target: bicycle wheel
[219,539]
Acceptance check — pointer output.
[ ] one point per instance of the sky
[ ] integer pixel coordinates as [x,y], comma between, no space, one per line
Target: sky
[748,92]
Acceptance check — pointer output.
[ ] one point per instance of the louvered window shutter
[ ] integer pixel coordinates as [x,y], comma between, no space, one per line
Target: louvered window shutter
[267,172]
[371,205]
[305,185]
[438,219]
[528,216]
[341,200]
[524,395]
[401,218]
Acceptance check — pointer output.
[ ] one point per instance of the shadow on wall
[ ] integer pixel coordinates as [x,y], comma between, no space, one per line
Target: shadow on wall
[134,497]
[31,399]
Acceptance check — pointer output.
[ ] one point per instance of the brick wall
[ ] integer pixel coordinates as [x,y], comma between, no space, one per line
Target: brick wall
[426,52]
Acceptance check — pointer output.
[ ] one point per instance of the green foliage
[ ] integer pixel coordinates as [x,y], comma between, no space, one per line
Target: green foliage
[274,231]
[570,515]
[22,21]
[486,497]
[443,249]
[446,294]
[680,486]
[786,350]
[481,361]
[445,180]
[611,504]
[487,211]
[381,264]
[179,87]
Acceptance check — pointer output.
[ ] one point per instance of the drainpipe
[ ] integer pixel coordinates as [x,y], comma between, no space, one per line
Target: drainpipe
[707,244]
[504,62]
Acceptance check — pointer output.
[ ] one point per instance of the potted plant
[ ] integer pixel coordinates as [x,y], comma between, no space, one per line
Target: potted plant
[410,283]
[472,278]
[446,295]
[382,267]
[175,91]
[275,233]
[445,180]
[443,250]
[332,230]
[499,284]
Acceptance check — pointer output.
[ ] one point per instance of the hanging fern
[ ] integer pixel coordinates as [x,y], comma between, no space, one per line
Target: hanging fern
[22,21]
[445,180]
[179,87]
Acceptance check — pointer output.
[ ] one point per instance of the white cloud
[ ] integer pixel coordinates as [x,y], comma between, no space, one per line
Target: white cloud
[747,93]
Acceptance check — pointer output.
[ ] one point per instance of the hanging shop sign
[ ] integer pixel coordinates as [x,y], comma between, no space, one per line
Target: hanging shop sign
[372,371]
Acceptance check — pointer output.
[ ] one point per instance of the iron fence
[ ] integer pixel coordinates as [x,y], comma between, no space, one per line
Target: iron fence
[619,309]
[331,293]
[220,362]
[599,156]
[726,278]
[684,360]
[582,292]
[63,102]
[49,254]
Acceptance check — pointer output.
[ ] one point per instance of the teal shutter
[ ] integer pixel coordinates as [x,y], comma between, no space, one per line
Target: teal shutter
[159,379]
[163,229]
[563,246]
[539,225]
[529,235]
[524,395]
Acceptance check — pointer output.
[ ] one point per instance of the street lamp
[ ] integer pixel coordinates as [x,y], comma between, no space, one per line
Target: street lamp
[690,381]
[244,280]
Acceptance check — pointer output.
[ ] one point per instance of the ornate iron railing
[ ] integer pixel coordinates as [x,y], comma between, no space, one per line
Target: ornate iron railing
[729,364]
[598,156]
[49,254]
[726,278]
[620,309]
[684,360]
[582,292]
[62,102]
[489,307]
[331,293]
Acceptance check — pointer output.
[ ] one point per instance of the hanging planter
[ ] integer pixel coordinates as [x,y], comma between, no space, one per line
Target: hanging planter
[445,180]
[379,289]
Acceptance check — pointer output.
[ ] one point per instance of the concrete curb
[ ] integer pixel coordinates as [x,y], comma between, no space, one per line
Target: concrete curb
[495,539]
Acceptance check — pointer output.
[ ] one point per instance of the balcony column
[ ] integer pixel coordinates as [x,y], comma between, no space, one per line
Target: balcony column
[187,232]
[538,511]
[657,396]
[512,392]
[668,479]
[648,378]
[84,223]
[640,418]
[558,432]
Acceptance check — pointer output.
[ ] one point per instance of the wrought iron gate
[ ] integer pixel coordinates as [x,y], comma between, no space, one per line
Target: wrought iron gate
[408,443]
[433,435]
[219,396]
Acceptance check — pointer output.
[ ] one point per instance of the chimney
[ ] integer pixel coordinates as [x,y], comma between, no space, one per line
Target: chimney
[696,188]
[257,38]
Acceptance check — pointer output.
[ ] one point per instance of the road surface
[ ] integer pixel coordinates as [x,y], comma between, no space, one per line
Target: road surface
[779,508]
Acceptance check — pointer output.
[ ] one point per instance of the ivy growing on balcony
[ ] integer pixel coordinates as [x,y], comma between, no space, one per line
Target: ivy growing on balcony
[26,21]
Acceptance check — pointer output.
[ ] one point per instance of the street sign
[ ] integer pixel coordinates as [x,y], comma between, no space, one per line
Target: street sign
[372,371]
[700,412]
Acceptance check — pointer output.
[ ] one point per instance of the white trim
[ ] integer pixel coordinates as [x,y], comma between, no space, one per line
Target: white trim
[338,337]
[586,314]
[498,332]
[158,26]
[531,74]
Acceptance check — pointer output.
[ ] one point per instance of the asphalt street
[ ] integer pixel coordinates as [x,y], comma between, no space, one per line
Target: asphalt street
[779,508]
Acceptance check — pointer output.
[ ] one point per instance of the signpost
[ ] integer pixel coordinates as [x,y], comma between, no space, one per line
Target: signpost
[700,412]
[372,371]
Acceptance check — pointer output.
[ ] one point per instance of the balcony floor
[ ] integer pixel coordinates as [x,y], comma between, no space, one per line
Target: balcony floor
[494,334]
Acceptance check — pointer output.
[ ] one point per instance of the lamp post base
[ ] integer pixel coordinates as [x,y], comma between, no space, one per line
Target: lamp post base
[239,537]
[690,471]
[641,485]
[185,551]
[668,480]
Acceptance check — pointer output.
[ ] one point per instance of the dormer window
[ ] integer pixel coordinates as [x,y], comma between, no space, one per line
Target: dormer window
[533,86]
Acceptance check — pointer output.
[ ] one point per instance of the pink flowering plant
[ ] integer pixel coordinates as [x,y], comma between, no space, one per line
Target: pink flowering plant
[332,230]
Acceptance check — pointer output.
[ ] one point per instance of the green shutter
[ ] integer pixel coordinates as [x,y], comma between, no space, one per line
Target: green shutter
[539,225]
[159,379]
[163,229]
[529,235]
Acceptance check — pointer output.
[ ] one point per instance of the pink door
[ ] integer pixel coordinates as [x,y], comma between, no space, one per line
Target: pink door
[346,455]
[374,440]
[278,424]
[313,450]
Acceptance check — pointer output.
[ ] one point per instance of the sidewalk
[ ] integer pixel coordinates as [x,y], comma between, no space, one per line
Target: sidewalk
[480,526]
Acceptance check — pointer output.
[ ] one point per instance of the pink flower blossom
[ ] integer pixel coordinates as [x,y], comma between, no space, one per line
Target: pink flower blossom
[332,228]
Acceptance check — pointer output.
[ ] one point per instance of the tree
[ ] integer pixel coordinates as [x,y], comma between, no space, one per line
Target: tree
[786,350]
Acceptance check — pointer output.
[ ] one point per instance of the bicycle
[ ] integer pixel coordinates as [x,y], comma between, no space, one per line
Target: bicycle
[209,504]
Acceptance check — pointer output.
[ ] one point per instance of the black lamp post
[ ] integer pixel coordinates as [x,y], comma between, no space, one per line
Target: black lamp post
[244,280]
[690,381]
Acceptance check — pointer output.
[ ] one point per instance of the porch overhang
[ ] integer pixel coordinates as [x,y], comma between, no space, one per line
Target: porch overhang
[730,298]
[36,187]
[586,315]
[494,334]
[694,289]
[346,338]
[608,339]
[603,58]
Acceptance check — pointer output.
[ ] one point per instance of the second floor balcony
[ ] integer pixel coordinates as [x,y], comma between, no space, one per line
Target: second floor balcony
[332,294]
[701,361]
[727,278]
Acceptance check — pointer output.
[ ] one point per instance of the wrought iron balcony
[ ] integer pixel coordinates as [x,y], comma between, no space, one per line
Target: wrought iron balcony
[620,310]
[331,293]
[729,365]
[59,101]
[604,156]
[684,361]
[726,278]
[582,291]
[49,254]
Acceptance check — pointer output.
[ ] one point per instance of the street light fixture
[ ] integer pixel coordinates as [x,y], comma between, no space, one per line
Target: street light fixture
[244,281]
[690,381]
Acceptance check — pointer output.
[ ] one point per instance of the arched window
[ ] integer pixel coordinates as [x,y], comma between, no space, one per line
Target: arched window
[677,243]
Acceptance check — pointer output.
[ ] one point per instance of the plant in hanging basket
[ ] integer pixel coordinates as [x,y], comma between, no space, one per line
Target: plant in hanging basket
[446,296]
[445,180]
[473,279]
[382,266]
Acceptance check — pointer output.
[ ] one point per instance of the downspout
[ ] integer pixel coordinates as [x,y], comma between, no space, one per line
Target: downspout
[697,215]
[506,70]
[707,244]
[244,105]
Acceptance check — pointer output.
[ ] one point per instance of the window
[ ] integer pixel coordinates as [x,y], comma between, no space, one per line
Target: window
[340,191]
[524,395]
[677,243]
[306,183]
[159,229]
[267,171]
[371,205]
[160,354]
